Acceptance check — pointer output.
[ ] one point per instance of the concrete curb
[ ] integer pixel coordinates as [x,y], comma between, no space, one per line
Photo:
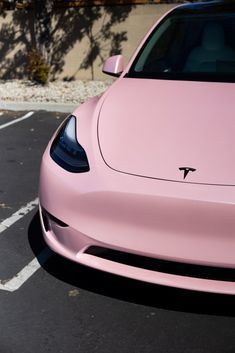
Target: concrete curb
[50,107]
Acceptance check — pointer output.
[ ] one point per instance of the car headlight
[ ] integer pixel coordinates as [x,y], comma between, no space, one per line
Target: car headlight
[66,151]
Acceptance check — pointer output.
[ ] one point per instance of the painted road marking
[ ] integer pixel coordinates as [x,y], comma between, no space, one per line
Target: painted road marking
[23,211]
[26,116]
[21,277]
[18,280]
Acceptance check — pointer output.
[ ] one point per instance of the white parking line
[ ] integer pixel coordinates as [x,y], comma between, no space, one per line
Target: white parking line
[21,277]
[18,215]
[26,116]
[18,280]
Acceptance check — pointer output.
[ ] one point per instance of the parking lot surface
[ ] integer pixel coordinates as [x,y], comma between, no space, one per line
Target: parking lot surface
[49,304]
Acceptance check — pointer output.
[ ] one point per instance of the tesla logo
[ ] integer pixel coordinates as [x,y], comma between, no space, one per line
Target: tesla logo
[186,170]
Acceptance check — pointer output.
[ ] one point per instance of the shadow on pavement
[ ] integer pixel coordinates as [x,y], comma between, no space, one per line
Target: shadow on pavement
[126,289]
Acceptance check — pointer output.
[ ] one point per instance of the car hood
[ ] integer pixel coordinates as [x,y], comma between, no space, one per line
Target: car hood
[152,128]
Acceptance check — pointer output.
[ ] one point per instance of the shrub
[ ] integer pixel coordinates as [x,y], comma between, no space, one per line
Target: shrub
[37,67]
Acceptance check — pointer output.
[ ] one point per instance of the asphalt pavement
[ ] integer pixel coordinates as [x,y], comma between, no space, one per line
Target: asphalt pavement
[49,304]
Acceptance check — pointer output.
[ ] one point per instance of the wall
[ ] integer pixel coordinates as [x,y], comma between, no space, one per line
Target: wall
[81,38]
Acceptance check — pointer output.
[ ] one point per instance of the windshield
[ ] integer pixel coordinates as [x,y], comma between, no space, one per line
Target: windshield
[190,46]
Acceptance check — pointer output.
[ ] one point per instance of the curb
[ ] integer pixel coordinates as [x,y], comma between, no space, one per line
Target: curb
[50,107]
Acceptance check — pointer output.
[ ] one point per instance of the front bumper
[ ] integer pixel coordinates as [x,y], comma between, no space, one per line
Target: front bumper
[75,246]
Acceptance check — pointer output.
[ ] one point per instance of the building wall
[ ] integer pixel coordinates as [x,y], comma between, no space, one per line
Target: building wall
[82,38]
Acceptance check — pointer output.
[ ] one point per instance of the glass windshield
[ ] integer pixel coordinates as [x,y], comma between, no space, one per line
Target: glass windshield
[190,46]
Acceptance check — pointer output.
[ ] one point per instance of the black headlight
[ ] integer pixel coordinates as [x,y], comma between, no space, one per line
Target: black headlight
[67,152]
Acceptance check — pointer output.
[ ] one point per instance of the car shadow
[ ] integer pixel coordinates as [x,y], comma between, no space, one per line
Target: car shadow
[126,289]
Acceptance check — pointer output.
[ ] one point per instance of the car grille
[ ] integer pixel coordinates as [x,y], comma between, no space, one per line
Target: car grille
[170,267]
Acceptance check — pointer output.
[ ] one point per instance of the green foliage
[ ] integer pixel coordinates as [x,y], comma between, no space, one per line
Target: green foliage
[38,69]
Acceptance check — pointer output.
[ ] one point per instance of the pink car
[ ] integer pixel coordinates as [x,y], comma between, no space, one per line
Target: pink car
[140,182]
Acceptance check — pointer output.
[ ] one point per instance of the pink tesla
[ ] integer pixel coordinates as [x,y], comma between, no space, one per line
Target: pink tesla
[140,182]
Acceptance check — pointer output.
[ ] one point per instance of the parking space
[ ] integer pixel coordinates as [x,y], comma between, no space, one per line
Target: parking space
[49,304]
[21,146]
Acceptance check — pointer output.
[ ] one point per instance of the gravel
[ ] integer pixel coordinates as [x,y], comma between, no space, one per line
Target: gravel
[74,92]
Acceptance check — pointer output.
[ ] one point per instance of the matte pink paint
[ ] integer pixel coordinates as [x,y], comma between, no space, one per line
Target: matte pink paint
[134,198]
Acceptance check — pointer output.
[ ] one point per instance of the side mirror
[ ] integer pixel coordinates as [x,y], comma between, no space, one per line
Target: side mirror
[114,66]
